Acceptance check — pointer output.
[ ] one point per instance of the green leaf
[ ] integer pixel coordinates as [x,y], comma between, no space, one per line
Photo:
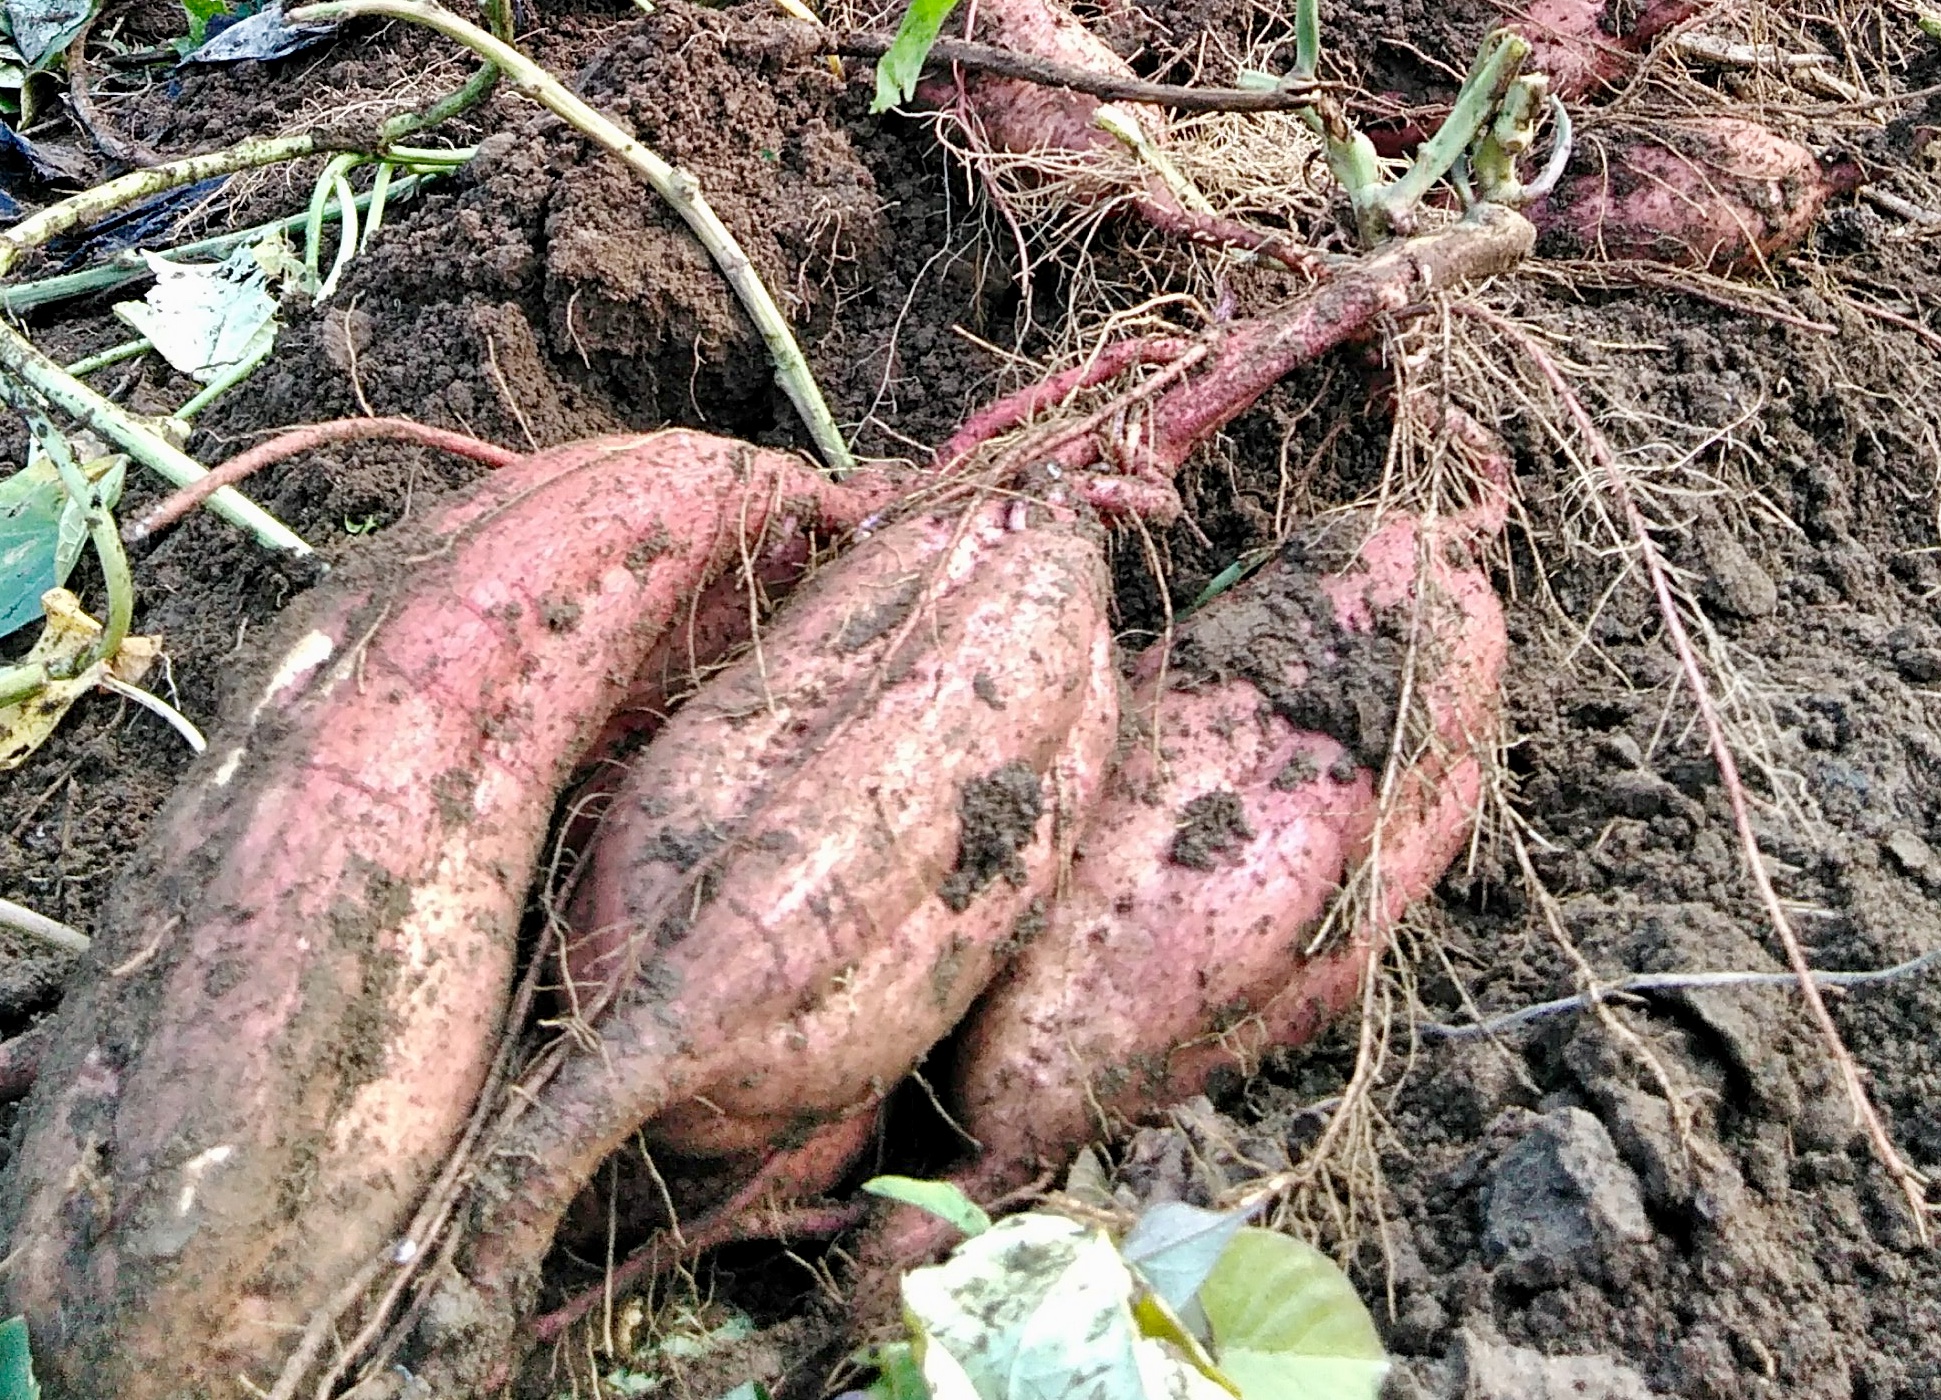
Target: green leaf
[898,70]
[31,507]
[941,1198]
[1174,1247]
[1288,1325]
[200,12]
[16,1362]
[42,532]
[748,1390]
[898,1374]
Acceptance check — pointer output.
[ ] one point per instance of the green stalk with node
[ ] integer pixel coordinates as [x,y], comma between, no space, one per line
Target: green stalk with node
[1491,82]
[28,378]
[676,186]
[1495,114]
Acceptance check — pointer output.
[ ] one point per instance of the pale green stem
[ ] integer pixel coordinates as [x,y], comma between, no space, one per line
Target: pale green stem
[320,197]
[41,928]
[91,206]
[228,379]
[1495,69]
[380,190]
[124,268]
[347,236]
[126,351]
[676,186]
[115,575]
[437,158]
[1307,37]
[22,365]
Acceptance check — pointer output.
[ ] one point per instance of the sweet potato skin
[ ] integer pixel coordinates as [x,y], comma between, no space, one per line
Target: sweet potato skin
[1721,194]
[1180,945]
[1573,42]
[782,893]
[299,984]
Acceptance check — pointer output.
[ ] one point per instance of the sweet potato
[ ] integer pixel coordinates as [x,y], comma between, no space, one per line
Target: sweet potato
[1717,193]
[1027,119]
[813,868]
[1179,945]
[300,981]
[1576,44]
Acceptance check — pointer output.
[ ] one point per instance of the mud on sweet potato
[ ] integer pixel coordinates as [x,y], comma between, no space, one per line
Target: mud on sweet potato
[1179,945]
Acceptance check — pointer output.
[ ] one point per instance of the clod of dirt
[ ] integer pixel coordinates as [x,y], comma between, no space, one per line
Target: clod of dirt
[1212,828]
[1000,812]
[1734,580]
[1561,1203]
[1488,1369]
[1352,680]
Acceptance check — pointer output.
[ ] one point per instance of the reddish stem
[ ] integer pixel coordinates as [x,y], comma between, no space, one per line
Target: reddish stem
[304,439]
[1028,403]
[730,1224]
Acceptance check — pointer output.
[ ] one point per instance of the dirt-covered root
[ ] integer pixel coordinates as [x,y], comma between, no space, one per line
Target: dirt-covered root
[298,986]
[812,870]
[1324,724]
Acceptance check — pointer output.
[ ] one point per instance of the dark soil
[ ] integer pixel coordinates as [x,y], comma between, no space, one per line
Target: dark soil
[1537,1194]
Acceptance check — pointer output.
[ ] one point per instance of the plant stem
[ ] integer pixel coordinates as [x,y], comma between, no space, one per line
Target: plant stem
[1496,66]
[26,374]
[676,186]
[320,194]
[91,206]
[127,350]
[228,379]
[101,530]
[380,190]
[1307,38]
[41,928]
[347,236]
[124,268]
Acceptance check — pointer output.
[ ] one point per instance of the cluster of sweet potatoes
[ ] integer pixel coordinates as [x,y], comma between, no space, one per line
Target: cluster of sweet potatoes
[926,798]
[926,769]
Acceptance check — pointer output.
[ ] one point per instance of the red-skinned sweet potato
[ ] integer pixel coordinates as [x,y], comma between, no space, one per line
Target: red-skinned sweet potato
[1578,47]
[814,867]
[1717,193]
[298,986]
[1178,945]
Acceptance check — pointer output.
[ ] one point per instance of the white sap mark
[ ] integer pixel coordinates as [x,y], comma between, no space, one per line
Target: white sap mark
[307,655]
[195,1169]
[230,764]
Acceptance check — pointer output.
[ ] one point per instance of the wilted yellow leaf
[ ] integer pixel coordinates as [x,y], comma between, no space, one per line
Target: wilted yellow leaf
[68,634]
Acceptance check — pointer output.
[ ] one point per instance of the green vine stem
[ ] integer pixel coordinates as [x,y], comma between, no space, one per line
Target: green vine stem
[676,186]
[120,583]
[93,205]
[27,375]
[1490,80]
[124,268]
